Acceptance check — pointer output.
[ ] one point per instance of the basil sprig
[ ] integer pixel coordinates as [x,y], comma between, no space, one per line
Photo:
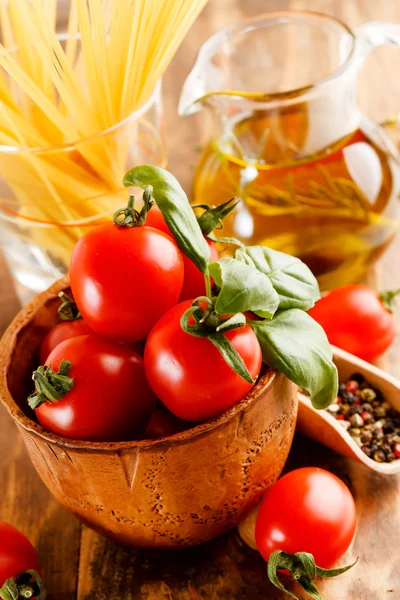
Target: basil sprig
[273,285]
[176,210]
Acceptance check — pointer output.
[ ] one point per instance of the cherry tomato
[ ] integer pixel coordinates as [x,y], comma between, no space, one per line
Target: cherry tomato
[17,554]
[355,319]
[307,510]
[61,332]
[163,424]
[189,375]
[194,283]
[155,218]
[110,399]
[124,279]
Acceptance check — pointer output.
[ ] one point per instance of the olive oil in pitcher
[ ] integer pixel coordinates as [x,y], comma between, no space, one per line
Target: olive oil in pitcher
[336,209]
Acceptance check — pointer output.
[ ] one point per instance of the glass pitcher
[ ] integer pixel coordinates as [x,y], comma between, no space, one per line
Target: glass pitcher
[318,179]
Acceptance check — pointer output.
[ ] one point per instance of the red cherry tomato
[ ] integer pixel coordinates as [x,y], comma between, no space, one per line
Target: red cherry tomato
[189,375]
[17,554]
[155,218]
[355,319]
[61,332]
[124,279]
[110,400]
[163,424]
[194,283]
[307,510]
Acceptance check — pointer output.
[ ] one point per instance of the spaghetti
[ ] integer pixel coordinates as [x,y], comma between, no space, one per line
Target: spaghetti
[61,101]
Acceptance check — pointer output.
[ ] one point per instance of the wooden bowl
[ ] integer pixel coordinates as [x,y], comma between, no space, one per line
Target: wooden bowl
[168,493]
[322,427]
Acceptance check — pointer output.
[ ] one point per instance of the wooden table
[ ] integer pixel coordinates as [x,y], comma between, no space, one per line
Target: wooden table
[79,564]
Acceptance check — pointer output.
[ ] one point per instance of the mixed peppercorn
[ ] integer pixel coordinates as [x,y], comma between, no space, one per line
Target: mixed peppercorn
[371,421]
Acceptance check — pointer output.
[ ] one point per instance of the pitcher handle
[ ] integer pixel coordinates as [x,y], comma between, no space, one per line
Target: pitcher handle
[373,35]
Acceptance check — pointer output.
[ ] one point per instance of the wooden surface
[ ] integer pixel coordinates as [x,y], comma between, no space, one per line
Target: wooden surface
[79,564]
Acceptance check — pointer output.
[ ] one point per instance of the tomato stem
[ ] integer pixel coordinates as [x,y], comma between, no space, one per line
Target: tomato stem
[50,385]
[26,585]
[130,217]
[207,323]
[303,569]
[208,284]
[387,298]
[213,216]
[68,311]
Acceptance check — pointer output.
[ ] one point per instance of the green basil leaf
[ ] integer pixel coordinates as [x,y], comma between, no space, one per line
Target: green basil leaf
[177,212]
[231,356]
[296,345]
[292,279]
[242,288]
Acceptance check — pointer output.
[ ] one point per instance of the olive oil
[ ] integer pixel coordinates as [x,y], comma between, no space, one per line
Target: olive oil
[336,208]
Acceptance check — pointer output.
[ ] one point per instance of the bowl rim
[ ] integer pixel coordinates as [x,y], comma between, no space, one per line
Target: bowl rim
[8,344]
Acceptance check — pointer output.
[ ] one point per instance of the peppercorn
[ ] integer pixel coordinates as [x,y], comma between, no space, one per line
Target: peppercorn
[352,386]
[390,457]
[366,416]
[366,436]
[368,394]
[380,412]
[367,450]
[396,450]
[343,423]
[379,456]
[348,398]
[356,420]
[355,431]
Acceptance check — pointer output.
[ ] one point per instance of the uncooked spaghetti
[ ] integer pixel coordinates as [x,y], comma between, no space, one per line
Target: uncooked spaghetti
[65,98]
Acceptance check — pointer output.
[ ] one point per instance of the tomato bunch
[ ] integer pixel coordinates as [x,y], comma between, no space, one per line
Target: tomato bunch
[163,332]
[19,565]
[128,278]
[157,313]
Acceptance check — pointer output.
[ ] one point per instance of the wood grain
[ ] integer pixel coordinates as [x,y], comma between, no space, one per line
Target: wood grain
[224,568]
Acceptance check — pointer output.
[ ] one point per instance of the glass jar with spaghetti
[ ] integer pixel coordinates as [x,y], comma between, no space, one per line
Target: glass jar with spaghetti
[50,196]
[77,110]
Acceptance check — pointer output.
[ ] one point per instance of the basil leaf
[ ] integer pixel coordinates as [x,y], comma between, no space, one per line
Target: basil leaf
[292,279]
[242,288]
[296,345]
[177,212]
[231,356]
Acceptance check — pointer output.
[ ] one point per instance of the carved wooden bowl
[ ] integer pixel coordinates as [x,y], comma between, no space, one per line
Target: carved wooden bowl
[168,493]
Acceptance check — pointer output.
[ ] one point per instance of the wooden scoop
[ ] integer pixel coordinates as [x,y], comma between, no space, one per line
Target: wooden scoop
[322,427]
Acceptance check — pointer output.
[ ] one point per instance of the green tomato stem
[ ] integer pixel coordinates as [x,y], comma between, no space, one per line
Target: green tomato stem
[388,298]
[24,586]
[208,284]
[50,385]
[68,310]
